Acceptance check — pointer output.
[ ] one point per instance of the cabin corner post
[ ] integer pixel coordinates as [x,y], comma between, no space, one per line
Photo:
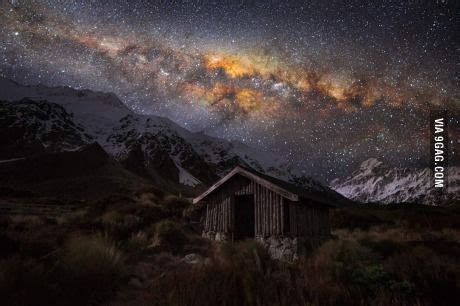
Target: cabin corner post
[283,230]
[232,216]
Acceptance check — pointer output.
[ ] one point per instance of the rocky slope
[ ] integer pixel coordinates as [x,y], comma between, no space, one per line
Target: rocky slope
[43,119]
[376,182]
[28,126]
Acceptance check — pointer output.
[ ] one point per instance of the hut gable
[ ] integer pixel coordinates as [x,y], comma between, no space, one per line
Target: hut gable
[278,186]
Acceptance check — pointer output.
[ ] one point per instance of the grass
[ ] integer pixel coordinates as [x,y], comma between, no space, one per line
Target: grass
[379,256]
[90,269]
[340,272]
[168,233]
[86,271]
[129,250]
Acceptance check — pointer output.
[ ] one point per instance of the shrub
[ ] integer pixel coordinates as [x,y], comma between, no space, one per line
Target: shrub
[351,218]
[89,269]
[25,282]
[245,253]
[137,242]
[169,234]
[147,214]
[77,218]
[240,274]
[9,246]
[194,212]
[174,206]
[112,218]
[120,225]
[384,247]
[33,242]
[434,277]
[85,272]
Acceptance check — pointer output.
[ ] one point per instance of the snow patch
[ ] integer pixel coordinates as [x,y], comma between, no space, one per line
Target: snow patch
[375,182]
[5,161]
[185,178]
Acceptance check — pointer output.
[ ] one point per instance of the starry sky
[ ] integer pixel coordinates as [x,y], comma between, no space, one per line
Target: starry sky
[325,84]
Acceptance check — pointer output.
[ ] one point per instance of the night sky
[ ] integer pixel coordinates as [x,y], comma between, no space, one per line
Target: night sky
[326,84]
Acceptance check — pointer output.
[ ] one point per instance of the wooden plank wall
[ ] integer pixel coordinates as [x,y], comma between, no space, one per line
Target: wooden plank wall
[267,205]
[308,220]
[305,219]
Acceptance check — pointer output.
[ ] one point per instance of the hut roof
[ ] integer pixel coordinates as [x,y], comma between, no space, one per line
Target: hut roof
[288,190]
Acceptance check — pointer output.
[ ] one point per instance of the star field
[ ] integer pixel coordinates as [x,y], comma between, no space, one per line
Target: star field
[325,85]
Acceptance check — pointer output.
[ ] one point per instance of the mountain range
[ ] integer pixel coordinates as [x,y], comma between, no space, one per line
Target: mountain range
[376,182]
[46,131]
[41,120]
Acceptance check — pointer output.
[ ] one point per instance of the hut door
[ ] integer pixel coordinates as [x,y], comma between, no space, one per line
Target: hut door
[244,217]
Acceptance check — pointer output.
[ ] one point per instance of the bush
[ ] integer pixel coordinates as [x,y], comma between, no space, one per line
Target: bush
[411,216]
[120,225]
[87,271]
[384,247]
[90,269]
[245,253]
[351,218]
[194,212]
[112,218]
[240,274]
[137,242]
[26,282]
[174,206]
[169,234]
[435,277]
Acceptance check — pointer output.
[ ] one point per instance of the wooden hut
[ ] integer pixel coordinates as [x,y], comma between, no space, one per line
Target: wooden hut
[285,218]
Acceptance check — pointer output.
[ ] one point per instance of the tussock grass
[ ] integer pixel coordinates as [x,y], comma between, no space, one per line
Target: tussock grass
[86,271]
[340,272]
[392,255]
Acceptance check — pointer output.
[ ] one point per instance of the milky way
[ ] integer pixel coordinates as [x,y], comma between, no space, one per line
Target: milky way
[324,85]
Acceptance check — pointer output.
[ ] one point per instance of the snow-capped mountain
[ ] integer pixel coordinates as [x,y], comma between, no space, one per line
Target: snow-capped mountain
[62,118]
[29,126]
[376,182]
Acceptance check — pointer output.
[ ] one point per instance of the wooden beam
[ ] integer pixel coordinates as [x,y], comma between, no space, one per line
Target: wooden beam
[278,214]
[256,207]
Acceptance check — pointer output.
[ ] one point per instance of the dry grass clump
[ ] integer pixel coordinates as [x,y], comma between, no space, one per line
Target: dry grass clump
[26,221]
[29,236]
[86,271]
[89,269]
[411,216]
[24,281]
[174,206]
[93,255]
[138,241]
[398,234]
[168,235]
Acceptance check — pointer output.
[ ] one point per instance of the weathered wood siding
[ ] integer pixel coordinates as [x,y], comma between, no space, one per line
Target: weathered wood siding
[308,220]
[274,215]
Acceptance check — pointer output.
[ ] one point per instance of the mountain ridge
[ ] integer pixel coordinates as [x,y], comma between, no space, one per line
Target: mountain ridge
[147,145]
[374,181]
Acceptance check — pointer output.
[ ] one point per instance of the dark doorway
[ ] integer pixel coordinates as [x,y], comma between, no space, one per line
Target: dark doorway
[244,217]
